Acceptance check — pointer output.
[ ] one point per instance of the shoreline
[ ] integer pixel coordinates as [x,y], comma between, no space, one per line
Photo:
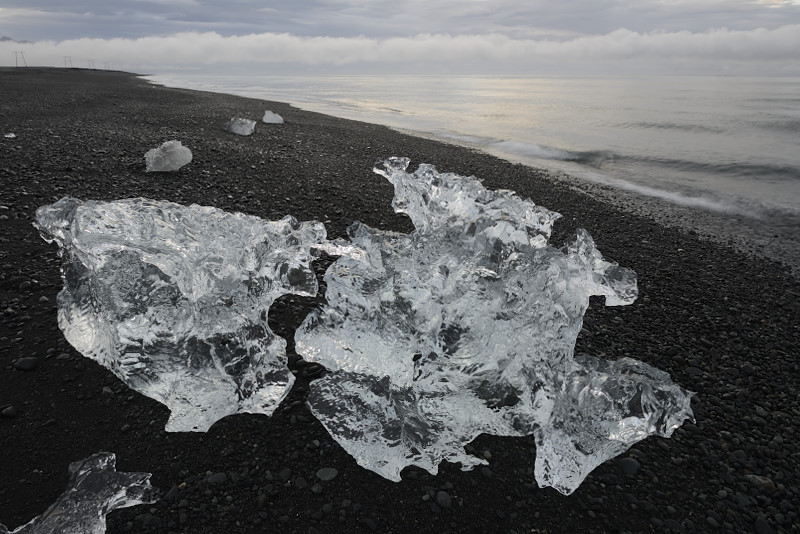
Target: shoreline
[771,234]
[719,321]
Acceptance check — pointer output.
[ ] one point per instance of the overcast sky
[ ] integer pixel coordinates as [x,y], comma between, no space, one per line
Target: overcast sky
[414,36]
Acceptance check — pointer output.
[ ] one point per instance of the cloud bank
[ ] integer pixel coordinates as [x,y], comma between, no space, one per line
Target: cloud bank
[758,49]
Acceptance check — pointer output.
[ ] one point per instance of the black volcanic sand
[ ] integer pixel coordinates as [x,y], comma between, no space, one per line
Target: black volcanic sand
[721,323]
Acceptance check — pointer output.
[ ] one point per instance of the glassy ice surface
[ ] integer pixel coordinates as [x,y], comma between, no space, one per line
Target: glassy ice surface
[170,156]
[467,326]
[272,118]
[95,488]
[174,299]
[241,126]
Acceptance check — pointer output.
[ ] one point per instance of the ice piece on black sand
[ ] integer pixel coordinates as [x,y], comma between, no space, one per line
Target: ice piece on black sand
[174,299]
[468,326]
[170,156]
[272,118]
[241,126]
[95,488]
[603,408]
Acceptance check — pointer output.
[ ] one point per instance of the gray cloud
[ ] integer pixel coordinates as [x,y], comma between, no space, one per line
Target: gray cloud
[58,20]
[742,50]
[415,35]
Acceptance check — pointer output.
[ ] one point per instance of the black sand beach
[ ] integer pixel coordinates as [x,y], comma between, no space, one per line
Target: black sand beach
[722,323]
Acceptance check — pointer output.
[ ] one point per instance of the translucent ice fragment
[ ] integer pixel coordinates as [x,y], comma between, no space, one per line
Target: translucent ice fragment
[241,126]
[174,299]
[170,156]
[13,135]
[272,118]
[467,326]
[603,409]
[95,488]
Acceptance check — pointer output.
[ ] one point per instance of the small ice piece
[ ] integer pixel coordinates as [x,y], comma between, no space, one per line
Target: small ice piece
[170,156]
[241,126]
[468,326]
[13,135]
[174,299]
[95,488]
[272,118]
[603,408]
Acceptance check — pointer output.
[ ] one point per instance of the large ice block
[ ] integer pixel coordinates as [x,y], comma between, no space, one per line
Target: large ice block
[174,299]
[467,326]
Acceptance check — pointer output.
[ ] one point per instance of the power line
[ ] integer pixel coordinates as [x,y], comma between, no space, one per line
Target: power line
[17,55]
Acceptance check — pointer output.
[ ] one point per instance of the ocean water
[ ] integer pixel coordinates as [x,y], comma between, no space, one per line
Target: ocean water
[725,147]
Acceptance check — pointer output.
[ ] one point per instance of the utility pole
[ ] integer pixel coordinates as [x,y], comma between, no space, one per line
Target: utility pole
[17,55]
[68,59]
[91,64]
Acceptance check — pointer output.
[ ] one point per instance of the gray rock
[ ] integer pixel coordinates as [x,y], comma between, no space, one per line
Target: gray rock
[217,478]
[444,500]
[761,526]
[27,364]
[327,473]
[628,466]
[762,483]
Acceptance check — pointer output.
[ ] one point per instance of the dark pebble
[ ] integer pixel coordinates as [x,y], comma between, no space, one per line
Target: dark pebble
[444,500]
[217,478]
[27,364]
[9,411]
[761,526]
[171,494]
[327,473]
[628,466]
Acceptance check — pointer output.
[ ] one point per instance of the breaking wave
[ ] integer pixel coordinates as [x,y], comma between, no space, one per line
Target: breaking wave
[611,169]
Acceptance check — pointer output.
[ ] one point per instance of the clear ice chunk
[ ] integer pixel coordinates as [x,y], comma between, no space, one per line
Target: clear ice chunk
[95,488]
[170,156]
[272,118]
[174,299]
[468,326]
[241,126]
